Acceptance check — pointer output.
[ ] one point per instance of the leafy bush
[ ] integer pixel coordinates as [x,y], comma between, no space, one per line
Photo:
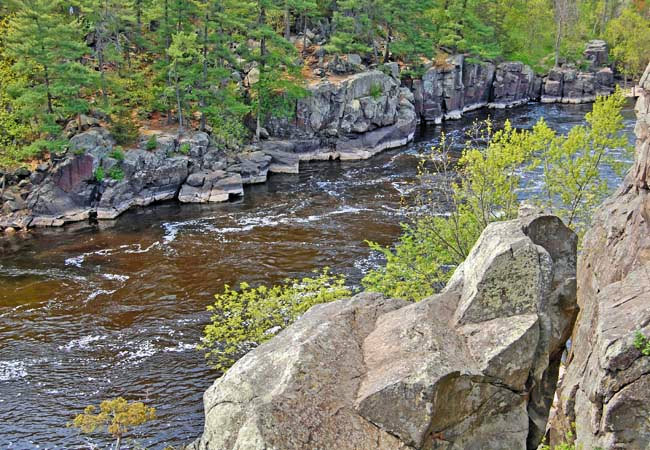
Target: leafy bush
[152,143]
[242,320]
[124,129]
[117,153]
[482,191]
[116,174]
[99,174]
[184,148]
[117,416]
[642,343]
[376,90]
[484,187]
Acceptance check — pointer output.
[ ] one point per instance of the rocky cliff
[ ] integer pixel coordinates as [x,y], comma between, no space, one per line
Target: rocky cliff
[474,367]
[605,389]
[348,119]
[570,85]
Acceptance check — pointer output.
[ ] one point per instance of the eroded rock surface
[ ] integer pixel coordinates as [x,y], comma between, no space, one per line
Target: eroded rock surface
[605,389]
[474,367]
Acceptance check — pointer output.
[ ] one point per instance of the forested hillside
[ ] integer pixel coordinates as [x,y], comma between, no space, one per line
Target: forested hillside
[227,65]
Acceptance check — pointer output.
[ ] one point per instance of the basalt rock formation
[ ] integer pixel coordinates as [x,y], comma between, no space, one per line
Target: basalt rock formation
[604,392]
[350,119]
[569,85]
[473,367]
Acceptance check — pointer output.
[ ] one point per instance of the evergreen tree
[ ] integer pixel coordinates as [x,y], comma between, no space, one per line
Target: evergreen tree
[186,62]
[46,45]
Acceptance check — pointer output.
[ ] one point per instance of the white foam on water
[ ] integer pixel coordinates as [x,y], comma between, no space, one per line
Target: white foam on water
[93,295]
[140,351]
[76,261]
[12,370]
[83,343]
[112,276]
[181,347]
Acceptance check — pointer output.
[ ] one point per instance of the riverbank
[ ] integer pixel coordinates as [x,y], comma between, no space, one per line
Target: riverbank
[353,117]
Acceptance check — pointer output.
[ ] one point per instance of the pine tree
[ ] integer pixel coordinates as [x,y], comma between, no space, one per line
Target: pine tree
[186,62]
[46,45]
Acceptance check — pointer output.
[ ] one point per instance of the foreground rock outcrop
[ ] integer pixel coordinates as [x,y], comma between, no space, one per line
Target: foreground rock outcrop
[605,389]
[473,367]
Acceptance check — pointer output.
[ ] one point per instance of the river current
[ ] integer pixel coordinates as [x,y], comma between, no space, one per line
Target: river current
[116,309]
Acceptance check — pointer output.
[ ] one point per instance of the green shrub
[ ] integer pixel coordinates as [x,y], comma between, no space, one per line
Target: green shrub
[117,154]
[116,174]
[100,174]
[152,143]
[184,148]
[484,187]
[376,90]
[242,320]
[116,416]
[124,129]
[642,343]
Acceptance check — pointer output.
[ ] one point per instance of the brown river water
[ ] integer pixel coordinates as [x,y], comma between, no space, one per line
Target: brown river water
[94,312]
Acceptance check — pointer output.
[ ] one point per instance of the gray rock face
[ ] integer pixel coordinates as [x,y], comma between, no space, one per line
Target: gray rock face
[597,53]
[71,190]
[513,85]
[569,85]
[446,92]
[566,85]
[473,367]
[604,391]
[365,111]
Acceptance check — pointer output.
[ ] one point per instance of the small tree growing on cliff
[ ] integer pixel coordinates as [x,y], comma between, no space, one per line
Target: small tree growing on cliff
[117,416]
[485,188]
[245,318]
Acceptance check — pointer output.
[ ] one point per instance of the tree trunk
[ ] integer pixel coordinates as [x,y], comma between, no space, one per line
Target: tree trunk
[204,80]
[261,23]
[167,44]
[304,35]
[287,20]
[179,105]
[118,442]
[387,49]
[49,94]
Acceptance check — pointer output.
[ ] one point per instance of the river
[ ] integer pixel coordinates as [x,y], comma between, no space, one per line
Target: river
[95,312]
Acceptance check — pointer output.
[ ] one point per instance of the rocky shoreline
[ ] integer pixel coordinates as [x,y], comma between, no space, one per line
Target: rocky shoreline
[478,365]
[352,118]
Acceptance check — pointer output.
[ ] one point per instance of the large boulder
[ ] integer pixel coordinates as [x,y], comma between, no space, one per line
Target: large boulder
[604,392]
[473,367]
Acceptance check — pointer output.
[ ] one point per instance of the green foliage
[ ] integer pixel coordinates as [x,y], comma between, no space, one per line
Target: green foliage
[117,153]
[124,129]
[116,174]
[376,90]
[629,37]
[99,174]
[115,416]
[484,190]
[642,343]
[46,47]
[244,319]
[571,164]
[184,148]
[152,143]
[484,186]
